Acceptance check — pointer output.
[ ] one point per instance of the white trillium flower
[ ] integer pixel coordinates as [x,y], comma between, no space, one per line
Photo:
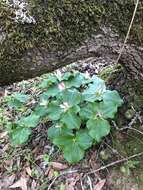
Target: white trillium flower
[61,86]
[65,106]
[44,103]
[58,126]
[87,75]
[100,91]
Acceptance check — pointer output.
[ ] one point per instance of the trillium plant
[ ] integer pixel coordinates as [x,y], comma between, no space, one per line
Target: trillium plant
[79,107]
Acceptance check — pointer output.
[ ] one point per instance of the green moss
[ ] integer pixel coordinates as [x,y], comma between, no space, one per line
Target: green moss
[59,26]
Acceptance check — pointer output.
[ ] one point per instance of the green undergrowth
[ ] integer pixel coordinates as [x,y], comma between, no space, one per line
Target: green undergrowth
[78,106]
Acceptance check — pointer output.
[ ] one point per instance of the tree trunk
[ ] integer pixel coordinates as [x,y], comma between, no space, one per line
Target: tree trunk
[52,37]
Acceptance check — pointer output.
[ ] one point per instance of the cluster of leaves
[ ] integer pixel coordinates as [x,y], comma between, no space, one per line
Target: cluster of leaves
[78,106]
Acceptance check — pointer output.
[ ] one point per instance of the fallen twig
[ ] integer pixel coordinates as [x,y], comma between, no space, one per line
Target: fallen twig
[97,170]
[116,162]
[128,32]
[132,129]
[51,184]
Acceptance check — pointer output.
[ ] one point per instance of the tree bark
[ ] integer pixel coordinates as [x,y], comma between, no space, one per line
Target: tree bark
[28,50]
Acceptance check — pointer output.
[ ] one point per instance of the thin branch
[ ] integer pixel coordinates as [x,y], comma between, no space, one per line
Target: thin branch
[128,32]
[97,170]
[132,129]
[51,184]
[115,163]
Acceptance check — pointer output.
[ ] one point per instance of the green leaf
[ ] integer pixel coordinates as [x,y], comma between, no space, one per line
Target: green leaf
[41,111]
[20,135]
[54,111]
[107,110]
[73,152]
[83,139]
[98,110]
[29,121]
[63,140]
[71,120]
[98,128]
[72,97]
[87,111]
[76,81]
[20,97]
[17,100]
[48,82]
[51,92]
[58,130]
[67,76]
[112,97]
[95,91]
[73,146]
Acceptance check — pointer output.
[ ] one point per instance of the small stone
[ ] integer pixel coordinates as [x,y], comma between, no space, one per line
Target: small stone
[129,114]
[104,154]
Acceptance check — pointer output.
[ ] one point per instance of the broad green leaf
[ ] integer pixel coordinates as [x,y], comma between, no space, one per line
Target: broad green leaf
[58,130]
[112,97]
[67,76]
[95,91]
[73,152]
[17,100]
[76,81]
[71,120]
[48,82]
[10,126]
[98,110]
[65,137]
[83,139]
[75,109]
[15,103]
[71,96]
[20,97]
[54,111]
[29,121]
[41,111]
[20,135]
[98,128]
[87,111]
[63,141]
[107,110]
[52,91]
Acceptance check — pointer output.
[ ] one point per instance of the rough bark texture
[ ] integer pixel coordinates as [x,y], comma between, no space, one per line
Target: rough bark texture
[28,50]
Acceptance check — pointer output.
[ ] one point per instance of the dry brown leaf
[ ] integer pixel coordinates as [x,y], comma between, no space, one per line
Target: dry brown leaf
[4,134]
[51,173]
[47,171]
[8,162]
[71,182]
[28,171]
[33,185]
[58,166]
[21,183]
[100,184]
[6,181]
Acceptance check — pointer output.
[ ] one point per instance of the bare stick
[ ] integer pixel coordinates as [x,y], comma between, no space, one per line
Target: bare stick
[99,169]
[51,184]
[132,129]
[127,35]
[116,162]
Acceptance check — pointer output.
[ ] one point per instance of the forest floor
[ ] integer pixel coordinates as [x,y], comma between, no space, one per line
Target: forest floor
[39,165]
[115,164]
